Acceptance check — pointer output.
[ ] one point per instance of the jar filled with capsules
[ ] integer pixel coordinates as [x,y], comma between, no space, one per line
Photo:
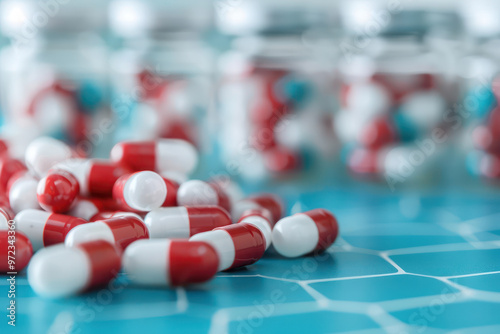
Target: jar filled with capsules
[397,114]
[54,74]
[277,90]
[162,70]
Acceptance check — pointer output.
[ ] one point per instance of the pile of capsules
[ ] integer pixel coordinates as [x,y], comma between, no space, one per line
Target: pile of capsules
[87,219]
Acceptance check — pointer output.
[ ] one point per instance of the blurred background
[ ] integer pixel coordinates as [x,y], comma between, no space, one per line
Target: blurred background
[395,93]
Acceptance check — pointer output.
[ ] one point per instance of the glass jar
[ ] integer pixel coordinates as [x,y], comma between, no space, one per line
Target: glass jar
[54,73]
[277,87]
[399,87]
[162,70]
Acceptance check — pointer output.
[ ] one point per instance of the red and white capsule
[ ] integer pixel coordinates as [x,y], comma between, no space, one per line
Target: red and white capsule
[262,219]
[57,191]
[197,192]
[163,155]
[267,201]
[305,232]
[45,228]
[184,222]
[96,177]
[170,262]
[9,167]
[172,188]
[22,192]
[60,271]
[15,251]
[120,231]
[140,191]
[43,153]
[237,245]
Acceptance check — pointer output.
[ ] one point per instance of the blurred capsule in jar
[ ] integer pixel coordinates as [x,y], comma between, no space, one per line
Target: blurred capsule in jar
[18,246]
[168,262]
[60,271]
[237,245]
[261,219]
[43,153]
[306,232]
[22,192]
[267,201]
[161,156]
[57,191]
[45,228]
[118,230]
[140,191]
[96,177]
[368,100]
[425,109]
[184,222]
[197,192]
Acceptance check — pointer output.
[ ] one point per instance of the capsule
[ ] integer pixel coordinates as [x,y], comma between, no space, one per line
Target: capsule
[184,222]
[60,271]
[43,153]
[57,191]
[22,192]
[111,214]
[237,245]
[140,191]
[9,167]
[172,188]
[18,246]
[96,177]
[6,214]
[161,156]
[120,230]
[88,208]
[305,232]
[267,201]
[45,228]
[170,262]
[262,219]
[197,192]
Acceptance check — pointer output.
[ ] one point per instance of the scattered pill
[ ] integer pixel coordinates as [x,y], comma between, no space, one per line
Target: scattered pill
[304,233]
[118,230]
[184,222]
[140,191]
[61,271]
[170,262]
[45,228]
[237,245]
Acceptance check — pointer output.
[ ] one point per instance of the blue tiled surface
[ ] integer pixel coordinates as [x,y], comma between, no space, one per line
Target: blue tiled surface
[403,264]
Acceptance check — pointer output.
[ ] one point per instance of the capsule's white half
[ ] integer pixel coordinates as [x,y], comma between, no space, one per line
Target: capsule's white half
[43,153]
[147,262]
[32,223]
[59,271]
[295,235]
[170,222]
[263,227]
[196,192]
[145,191]
[223,244]
[83,209]
[89,232]
[176,155]
[242,206]
[22,194]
